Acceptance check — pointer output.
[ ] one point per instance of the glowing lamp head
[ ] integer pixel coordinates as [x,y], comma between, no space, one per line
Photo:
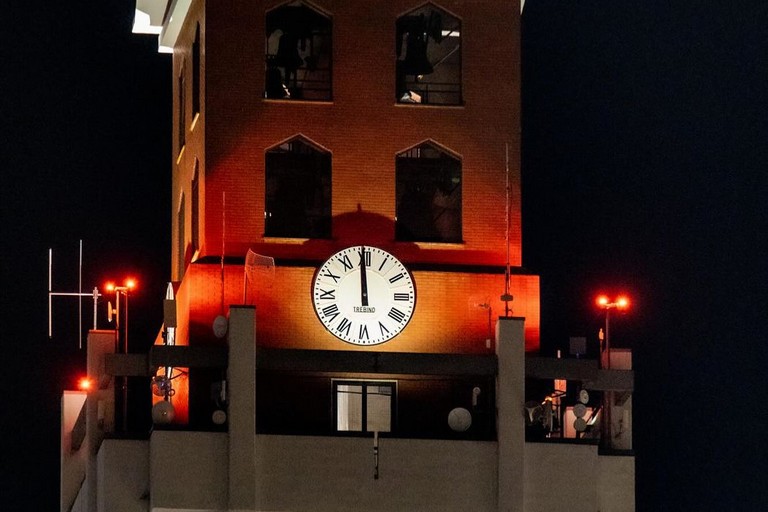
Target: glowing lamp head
[621,302]
[128,285]
[84,384]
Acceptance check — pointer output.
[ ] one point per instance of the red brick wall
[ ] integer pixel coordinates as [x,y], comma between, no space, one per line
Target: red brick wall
[364,129]
[451,314]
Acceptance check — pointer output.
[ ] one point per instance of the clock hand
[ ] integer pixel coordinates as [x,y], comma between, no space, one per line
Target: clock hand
[363,278]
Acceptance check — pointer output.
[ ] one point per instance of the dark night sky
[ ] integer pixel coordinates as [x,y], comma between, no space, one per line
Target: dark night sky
[645,141]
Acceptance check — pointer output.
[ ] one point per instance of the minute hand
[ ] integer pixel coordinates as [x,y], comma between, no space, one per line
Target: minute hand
[363,278]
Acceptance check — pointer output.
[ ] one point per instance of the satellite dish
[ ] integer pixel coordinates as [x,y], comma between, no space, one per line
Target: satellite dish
[579,410]
[220,326]
[163,412]
[219,417]
[583,396]
[533,412]
[459,419]
[580,425]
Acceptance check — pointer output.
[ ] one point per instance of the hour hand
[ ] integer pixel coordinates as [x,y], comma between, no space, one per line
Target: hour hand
[363,279]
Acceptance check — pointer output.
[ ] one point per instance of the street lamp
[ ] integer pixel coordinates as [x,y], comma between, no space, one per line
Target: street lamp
[620,303]
[128,286]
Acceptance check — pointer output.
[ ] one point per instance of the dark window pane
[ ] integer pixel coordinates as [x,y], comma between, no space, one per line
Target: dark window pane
[298,191]
[428,193]
[428,49]
[298,56]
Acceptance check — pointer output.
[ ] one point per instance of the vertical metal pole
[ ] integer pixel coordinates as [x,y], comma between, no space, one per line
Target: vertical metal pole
[375,455]
[125,378]
[95,301]
[608,395]
[507,270]
[80,299]
[223,241]
[125,339]
[50,266]
[608,338]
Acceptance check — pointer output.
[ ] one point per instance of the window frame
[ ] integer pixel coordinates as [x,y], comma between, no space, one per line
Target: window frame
[364,419]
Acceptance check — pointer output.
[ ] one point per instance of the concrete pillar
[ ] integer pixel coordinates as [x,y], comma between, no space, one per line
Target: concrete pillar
[510,397]
[241,390]
[99,407]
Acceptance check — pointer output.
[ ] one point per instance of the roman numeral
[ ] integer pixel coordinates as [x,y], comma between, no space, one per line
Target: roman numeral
[333,276]
[367,256]
[399,296]
[346,262]
[383,262]
[396,278]
[383,329]
[363,332]
[396,315]
[328,294]
[331,311]
[344,326]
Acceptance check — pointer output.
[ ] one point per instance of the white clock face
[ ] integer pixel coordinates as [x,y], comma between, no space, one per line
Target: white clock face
[363,295]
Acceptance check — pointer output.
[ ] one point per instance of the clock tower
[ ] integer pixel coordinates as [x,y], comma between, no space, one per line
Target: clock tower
[335,126]
[348,277]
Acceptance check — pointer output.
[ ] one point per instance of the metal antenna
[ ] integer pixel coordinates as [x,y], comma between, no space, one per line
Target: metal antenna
[79,294]
[223,241]
[507,297]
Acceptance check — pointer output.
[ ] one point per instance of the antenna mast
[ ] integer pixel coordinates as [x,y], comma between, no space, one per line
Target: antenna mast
[223,241]
[79,294]
[507,297]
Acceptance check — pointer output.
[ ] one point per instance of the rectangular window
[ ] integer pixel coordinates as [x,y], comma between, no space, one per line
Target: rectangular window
[363,406]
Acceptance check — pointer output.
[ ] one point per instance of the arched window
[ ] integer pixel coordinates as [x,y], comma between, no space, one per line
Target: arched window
[181,99]
[428,195]
[196,72]
[428,49]
[298,60]
[181,241]
[195,220]
[298,191]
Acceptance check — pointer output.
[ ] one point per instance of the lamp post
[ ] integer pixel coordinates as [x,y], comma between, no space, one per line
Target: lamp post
[128,286]
[620,303]
[124,290]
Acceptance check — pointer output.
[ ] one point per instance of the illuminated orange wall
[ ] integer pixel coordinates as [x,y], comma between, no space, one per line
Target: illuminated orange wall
[451,315]
[364,129]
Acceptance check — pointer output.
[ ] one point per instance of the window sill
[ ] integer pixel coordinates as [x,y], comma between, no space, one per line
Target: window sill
[181,154]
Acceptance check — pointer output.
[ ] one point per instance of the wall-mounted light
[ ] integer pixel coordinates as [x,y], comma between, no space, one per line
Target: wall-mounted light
[84,384]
